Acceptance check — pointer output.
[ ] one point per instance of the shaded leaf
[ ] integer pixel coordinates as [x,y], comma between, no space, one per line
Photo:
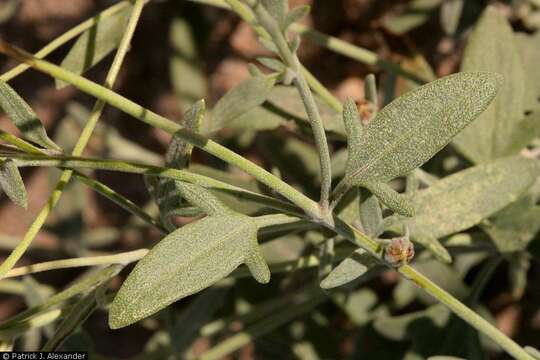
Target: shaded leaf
[515,226]
[240,99]
[462,200]
[12,183]
[371,216]
[354,266]
[95,44]
[186,261]
[534,352]
[287,99]
[415,14]
[529,49]
[24,117]
[492,47]
[519,266]
[415,126]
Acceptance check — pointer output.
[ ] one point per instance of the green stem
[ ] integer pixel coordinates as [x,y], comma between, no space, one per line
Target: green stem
[65,37]
[86,133]
[122,259]
[158,121]
[456,306]
[338,46]
[23,160]
[291,60]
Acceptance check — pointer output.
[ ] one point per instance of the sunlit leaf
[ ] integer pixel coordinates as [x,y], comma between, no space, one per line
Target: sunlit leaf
[492,47]
[354,266]
[415,126]
[186,261]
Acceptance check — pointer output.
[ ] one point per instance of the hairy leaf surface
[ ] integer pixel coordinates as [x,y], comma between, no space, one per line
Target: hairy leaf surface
[186,261]
[12,183]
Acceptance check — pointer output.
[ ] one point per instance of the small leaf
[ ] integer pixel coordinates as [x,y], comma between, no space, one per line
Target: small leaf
[435,247]
[277,8]
[415,126]
[272,63]
[519,266]
[415,14]
[242,98]
[492,47]
[464,199]
[186,261]
[371,216]
[296,14]
[24,117]
[95,44]
[396,202]
[450,15]
[12,183]
[354,266]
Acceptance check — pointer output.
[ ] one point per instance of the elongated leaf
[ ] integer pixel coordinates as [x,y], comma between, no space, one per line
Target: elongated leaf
[371,216]
[277,8]
[464,199]
[186,261]
[12,183]
[533,351]
[415,126]
[242,98]
[515,226]
[24,117]
[95,44]
[529,49]
[287,99]
[415,14]
[354,266]
[450,15]
[296,14]
[492,47]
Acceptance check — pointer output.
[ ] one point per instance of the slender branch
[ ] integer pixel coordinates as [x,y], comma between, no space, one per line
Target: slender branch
[291,60]
[67,36]
[158,121]
[122,259]
[86,133]
[70,162]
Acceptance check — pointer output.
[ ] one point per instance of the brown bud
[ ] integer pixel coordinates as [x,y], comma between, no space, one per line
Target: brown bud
[400,251]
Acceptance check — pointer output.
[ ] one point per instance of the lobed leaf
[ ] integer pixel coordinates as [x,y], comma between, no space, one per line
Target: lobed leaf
[12,183]
[24,117]
[186,261]
[95,44]
[492,47]
[240,99]
[415,126]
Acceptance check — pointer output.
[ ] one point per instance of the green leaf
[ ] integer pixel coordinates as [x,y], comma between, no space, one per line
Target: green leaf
[95,44]
[277,8]
[24,117]
[185,262]
[529,49]
[240,99]
[415,14]
[492,47]
[415,126]
[515,226]
[464,199]
[287,99]
[296,14]
[354,266]
[187,76]
[451,11]
[12,183]
[272,63]
[371,216]
[519,266]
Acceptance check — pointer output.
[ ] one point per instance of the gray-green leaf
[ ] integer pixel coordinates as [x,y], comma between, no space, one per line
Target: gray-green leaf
[185,262]
[242,98]
[12,183]
[24,117]
[462,200]
[415,126]
[354,266]
[493,47]
[95,43]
